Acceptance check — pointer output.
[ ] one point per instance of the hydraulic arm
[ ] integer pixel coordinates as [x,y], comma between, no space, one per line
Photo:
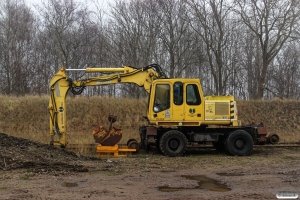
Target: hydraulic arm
[61,84]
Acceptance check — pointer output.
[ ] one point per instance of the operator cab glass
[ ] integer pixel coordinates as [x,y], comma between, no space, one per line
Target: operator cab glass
[192,95]
[162,97]
[178,93]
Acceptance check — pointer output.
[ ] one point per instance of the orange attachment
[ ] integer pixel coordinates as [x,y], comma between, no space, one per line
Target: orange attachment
[116,149]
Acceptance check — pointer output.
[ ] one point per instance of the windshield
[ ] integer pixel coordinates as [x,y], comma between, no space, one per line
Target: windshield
[162,97]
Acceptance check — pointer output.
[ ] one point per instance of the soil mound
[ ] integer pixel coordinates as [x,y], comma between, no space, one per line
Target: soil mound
[20,153]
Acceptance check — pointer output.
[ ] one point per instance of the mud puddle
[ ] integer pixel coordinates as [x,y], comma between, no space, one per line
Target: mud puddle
[68,184]
[230,174]
[204,183]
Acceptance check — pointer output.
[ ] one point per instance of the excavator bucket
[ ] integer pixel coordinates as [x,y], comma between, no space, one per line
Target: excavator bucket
[108,137]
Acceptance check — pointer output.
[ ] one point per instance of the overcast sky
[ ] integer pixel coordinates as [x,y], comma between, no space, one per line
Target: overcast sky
[91,5]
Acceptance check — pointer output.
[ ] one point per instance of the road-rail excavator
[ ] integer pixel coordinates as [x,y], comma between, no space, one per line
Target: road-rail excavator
[178,113]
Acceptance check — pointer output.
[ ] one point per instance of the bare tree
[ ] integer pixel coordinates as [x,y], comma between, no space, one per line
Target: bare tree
[284,79]
[70,32]
[272,22]
[134,29]
[178,40]
[17,31]
[210,21]
[69,37]
[246,59]
[133,32]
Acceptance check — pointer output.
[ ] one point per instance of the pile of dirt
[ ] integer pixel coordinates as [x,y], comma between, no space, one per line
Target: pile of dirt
[20,153]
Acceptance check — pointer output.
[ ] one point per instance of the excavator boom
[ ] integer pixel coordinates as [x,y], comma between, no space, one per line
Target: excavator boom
[61,83]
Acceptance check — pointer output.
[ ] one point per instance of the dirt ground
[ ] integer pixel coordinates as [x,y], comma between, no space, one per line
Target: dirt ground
[31,170]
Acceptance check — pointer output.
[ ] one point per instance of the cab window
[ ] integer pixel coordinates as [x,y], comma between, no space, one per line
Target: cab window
[162,97]
[178,93]
[192,95]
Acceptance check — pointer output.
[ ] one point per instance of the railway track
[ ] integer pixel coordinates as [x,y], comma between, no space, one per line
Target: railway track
[280,145]
[92,147]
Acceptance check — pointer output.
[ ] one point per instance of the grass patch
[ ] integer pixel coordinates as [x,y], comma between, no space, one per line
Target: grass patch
[26,176]
[28,117]
[2,187]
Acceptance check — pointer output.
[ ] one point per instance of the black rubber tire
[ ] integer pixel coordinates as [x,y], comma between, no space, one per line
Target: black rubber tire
[274,139]
[239,143]
[173,143]
[133,144]
[157,145]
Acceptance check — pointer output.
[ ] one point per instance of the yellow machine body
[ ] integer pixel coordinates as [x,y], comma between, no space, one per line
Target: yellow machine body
[180,102]
[177,102]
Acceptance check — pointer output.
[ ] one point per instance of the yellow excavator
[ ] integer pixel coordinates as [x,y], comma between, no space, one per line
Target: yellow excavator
[178,113]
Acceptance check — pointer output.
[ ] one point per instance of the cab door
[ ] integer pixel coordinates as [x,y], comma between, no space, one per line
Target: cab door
[194,103]
[160,102]
[178,102]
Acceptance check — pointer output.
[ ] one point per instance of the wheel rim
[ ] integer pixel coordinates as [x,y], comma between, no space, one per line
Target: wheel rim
[174,144]
[274,139]
[240,143]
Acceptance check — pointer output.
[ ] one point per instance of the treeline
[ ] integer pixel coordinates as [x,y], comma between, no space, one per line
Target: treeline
[247,48]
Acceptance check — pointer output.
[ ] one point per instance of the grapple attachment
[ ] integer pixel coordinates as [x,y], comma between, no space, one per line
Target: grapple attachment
[108,137]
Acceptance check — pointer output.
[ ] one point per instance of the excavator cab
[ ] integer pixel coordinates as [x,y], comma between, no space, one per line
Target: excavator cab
[176,102]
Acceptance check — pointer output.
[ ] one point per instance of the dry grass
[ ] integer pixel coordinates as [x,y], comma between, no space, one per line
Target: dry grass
[28,117]
[279,116]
